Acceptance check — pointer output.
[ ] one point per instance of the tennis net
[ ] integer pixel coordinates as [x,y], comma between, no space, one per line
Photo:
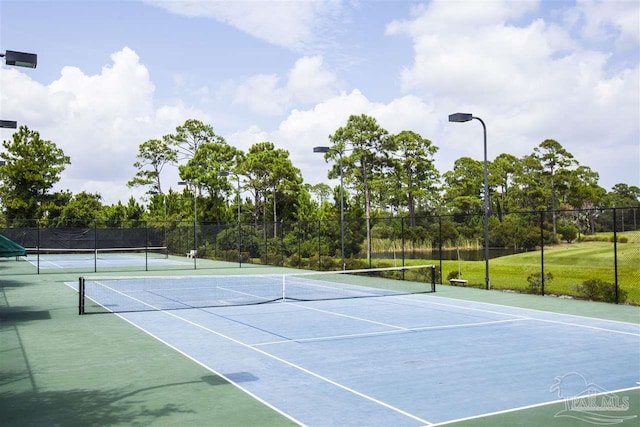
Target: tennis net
[99,253]
[119,294]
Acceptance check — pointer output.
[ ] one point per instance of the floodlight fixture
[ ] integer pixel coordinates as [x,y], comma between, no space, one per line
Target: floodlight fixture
[8,124]
[20,59]
[460,117]
[321,149]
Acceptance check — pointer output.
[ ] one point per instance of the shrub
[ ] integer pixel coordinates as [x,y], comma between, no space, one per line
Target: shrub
[621,239]
[535,282]
[416,234]
[203,251]
[325,263]
[568,232]
[382,231]
[599,290]
[356,263]
[293,261]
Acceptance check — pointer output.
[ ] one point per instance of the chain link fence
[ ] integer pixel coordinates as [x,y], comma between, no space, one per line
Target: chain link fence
[588,253]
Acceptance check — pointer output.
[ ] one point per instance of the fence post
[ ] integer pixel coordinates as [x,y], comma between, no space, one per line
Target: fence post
[542,251]
[146,246]
[615,253]
[95,246]
[281,243]
[440,244]
[402,241]
[266,243]
[38,245]
[299,243]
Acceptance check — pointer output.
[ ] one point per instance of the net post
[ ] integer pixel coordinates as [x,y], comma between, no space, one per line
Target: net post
[433,278]
[284,295]
[80,295]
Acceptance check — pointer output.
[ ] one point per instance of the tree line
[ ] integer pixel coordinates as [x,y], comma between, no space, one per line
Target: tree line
[383,175]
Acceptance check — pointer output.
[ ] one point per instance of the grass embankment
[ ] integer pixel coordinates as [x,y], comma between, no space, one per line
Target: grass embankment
[570,264]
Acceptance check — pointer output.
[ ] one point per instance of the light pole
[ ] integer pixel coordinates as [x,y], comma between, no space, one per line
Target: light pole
[195,222]
[326,150]
[465,117]
[226,173]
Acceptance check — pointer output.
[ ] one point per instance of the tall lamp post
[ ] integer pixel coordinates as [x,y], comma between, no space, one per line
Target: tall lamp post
[465,117]
[326,150]
[226,173]
[195,222]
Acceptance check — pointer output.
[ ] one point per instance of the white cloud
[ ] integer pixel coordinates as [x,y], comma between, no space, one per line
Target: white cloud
[295,25]
[262,95]
[307,82]
[618,20]
[246,138]
[530,81]
[304,129]
[99,120]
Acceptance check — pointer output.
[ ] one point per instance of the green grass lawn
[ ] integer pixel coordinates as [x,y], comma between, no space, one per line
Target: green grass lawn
[570,265]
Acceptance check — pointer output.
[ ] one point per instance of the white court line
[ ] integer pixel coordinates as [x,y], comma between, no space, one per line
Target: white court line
[517,318]
[380,333]
[39,264]
[251,295]
[281,360]
[333,313]
[532,318]
[210,369]
[522,408]
[300,368]
[345,288]
[529,309]
[596,328]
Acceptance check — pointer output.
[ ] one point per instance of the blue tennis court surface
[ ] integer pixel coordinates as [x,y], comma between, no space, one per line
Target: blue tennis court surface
[401,360]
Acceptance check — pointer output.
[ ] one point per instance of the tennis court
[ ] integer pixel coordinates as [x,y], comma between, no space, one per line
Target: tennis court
[101,259]
[405,359]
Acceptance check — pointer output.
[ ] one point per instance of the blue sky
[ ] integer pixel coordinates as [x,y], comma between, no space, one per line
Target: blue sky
[113,74]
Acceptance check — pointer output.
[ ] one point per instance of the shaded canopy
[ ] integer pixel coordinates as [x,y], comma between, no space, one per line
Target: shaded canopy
[9,248]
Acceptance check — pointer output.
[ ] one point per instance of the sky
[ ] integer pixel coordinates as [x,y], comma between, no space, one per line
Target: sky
[114,74]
